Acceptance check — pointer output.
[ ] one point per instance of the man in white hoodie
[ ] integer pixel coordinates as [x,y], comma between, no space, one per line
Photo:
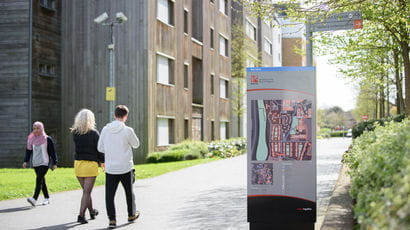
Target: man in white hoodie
[116,142]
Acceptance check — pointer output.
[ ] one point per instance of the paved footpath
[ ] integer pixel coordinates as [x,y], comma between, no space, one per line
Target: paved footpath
[207,196]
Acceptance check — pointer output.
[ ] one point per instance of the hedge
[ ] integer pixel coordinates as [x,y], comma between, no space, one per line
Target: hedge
[189,150]
[379,166]
[370,125]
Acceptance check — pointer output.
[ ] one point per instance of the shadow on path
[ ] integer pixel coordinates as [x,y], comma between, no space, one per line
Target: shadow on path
[18,209]
[73,225]
[59,226]
[220,207]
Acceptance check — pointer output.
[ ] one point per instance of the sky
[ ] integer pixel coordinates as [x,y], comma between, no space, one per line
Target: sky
[332,88]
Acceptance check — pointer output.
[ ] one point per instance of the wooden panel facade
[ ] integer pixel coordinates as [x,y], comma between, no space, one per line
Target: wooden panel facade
[69,64]
[85,66]
[46,69]
[14,77]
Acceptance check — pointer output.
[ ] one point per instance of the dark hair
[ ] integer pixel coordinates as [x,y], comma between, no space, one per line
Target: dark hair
[121,111]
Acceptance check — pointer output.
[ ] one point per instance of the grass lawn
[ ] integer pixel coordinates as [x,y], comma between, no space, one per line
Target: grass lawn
[18,183]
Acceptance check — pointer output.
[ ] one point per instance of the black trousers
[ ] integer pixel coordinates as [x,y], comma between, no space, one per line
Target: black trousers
[111,185]
[41,181]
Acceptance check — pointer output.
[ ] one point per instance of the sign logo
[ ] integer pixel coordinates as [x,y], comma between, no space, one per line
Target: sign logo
[254,79]
[358,24]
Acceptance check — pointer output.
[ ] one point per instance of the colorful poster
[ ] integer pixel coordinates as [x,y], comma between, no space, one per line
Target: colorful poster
[281,144]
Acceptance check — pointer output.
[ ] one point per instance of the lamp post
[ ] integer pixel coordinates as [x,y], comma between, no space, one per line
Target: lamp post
[110,90]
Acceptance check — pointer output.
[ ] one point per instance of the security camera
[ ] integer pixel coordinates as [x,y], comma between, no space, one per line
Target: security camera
[120,16]
[102,18]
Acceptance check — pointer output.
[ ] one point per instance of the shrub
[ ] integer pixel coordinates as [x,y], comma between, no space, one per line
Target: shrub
[153,157]
[379,166]
[363,126]
[227,148]
[338,133]
[196,148]
[173,155]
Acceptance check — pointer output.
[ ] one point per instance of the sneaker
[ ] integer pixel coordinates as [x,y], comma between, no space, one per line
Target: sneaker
[134,217]
[93,214]
[46,201]
[81,220]
[32,201]
[112,224]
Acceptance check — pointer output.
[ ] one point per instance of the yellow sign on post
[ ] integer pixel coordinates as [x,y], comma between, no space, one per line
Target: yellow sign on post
[110,93]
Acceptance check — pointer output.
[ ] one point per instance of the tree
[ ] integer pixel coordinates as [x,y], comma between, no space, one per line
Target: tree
[388,19]
[241,51]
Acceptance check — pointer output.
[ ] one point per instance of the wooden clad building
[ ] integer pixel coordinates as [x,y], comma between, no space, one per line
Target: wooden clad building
[172,69]
[29,73]
[166,71]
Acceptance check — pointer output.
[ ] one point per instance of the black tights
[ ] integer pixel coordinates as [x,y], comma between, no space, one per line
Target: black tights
[87,183]
[41,181]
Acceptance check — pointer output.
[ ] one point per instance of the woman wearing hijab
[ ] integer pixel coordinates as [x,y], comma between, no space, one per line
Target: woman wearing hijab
[40,148]
[87,158]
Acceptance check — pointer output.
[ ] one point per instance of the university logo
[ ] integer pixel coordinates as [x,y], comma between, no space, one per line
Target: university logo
[254,79]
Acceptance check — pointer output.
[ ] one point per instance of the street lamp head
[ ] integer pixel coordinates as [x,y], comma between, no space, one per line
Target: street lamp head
[102,18]
[120,16]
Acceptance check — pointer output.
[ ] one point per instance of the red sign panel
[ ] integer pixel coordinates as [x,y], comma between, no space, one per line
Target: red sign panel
[364,117]
[358,24]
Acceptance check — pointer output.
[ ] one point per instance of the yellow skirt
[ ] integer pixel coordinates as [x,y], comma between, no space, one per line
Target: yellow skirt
[86,168]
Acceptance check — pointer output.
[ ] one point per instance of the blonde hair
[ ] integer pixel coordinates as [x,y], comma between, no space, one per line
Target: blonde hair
[84,122]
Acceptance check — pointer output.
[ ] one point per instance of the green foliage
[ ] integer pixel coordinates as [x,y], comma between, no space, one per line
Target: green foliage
[338,133]
[186,150]
[197,148]
[227,148]
[379,166]
[370,125]
[18,183]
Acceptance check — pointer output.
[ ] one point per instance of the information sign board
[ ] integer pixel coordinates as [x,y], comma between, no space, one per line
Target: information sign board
[339,21]
[281,147]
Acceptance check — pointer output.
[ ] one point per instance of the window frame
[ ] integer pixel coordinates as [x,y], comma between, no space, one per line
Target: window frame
[226,45]
[171,67]
[225,94]
[169,120]
[170,19]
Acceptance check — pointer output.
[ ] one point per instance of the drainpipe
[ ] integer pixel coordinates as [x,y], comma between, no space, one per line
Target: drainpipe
[30,54]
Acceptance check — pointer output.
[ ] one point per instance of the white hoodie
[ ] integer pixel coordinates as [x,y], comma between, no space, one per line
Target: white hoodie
[116,141]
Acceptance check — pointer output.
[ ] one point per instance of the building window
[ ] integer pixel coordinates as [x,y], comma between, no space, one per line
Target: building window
[250,30]
[186,128]
[185,21]
[165,11]
[223,130]
[223,6]
[268,47]
[165,131]
[186,76]
[212,84]
[223,46]
[165,73]
[279,39]
[279,57]
[48,4]
[223,88]
[212,38]
[47,70]
[212,130]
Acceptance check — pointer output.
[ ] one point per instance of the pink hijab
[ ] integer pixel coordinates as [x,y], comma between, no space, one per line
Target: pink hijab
[34,139]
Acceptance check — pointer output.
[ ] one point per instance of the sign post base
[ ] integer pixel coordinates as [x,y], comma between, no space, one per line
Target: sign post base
[281,226]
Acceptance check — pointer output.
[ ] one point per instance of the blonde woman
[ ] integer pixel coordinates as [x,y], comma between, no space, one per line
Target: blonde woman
[87,158]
